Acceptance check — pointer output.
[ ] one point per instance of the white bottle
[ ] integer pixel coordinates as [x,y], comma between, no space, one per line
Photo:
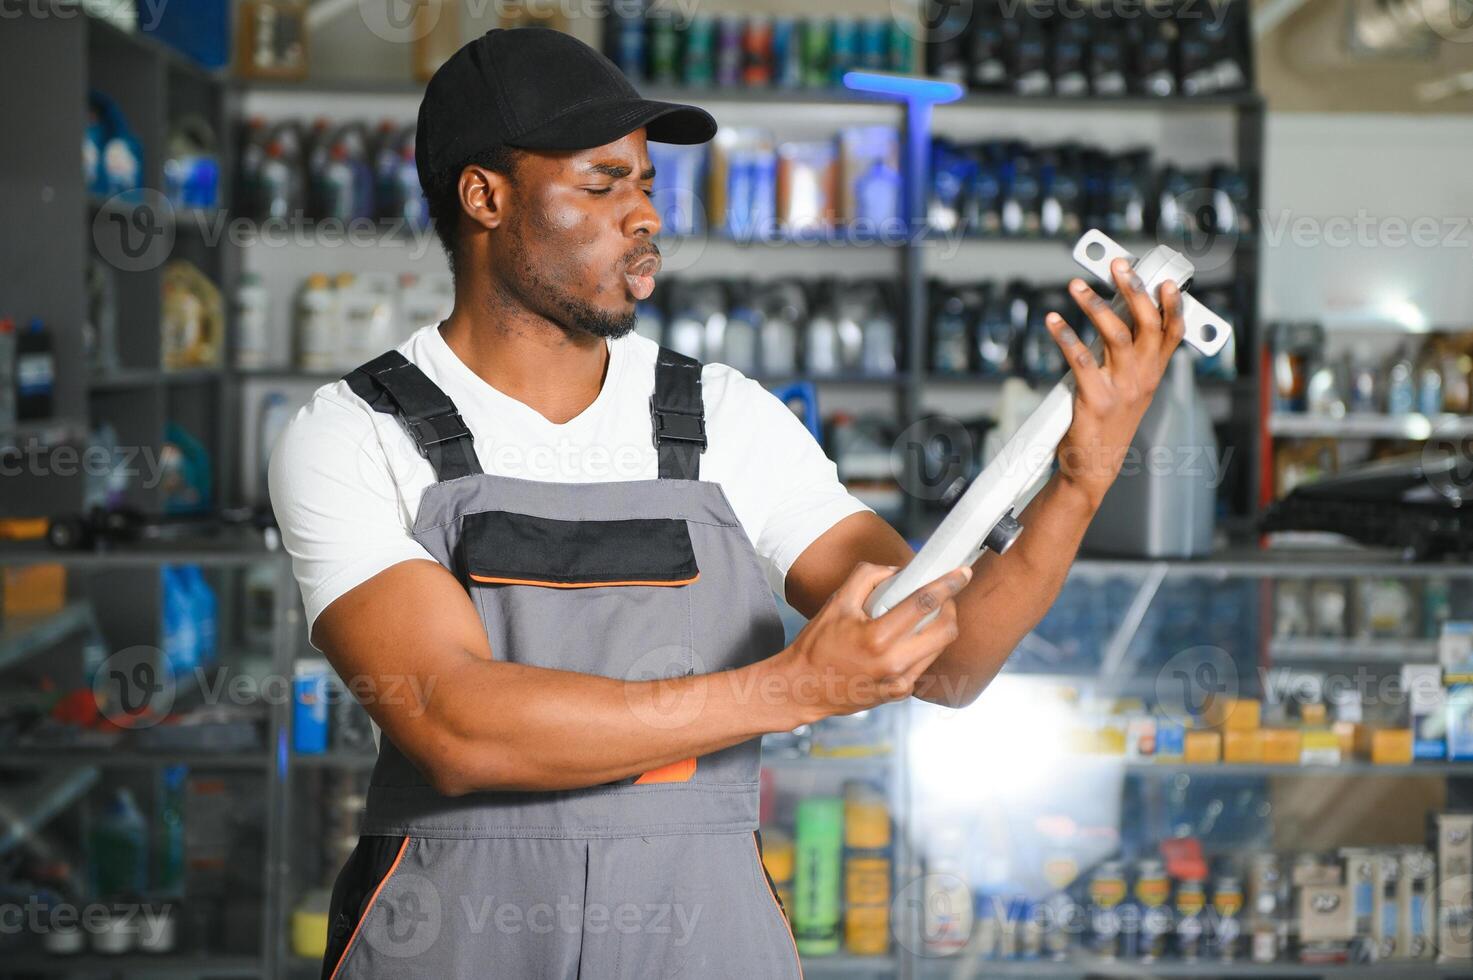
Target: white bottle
[252,323]
[317,325]
[423,300]
[365,320]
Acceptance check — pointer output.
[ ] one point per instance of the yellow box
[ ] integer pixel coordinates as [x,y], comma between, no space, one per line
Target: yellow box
[1313,715]
[1242,746]
[1281,746]
[1320,747]
[1203,747]
[1238,714]
[1391,746]
[867,931]
[33,590]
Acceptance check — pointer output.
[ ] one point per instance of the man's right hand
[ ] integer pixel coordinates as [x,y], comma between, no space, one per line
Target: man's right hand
[845,661]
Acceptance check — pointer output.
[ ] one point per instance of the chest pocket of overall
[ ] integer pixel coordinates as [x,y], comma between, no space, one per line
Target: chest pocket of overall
[611,598]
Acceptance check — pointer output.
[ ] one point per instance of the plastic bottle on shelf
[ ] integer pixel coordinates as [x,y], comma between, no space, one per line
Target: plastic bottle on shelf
[275,413]
[169,832]
[252,323]
[1429,378]
[35,373]
[277,192]
[1401,386]
[119,848]
[317,325]
[423,300]
[365,319]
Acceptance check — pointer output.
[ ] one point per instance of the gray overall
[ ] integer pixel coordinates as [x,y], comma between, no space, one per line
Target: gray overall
[657,875]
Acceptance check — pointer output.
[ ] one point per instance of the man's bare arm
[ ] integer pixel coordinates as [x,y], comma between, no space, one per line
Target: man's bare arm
[477,723]
[1010,593]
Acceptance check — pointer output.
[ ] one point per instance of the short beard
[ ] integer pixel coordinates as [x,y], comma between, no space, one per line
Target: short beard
[545,296]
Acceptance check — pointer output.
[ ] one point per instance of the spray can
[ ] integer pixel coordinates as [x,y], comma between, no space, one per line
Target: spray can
[1106,893]
[818,847]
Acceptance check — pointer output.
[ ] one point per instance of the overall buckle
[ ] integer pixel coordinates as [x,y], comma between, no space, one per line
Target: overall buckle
[436,429]
[672,426]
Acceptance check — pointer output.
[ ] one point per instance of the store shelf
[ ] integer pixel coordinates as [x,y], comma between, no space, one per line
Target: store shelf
[291,374]
[956,968]
[849,767]
[347,761]
[126,378]
[147,45]
[1336,649]
[845,965]
[23,636]
[1431,769]
[1273,563]
[983,101]
[249,552]
[42,434]
[134,965]
[25,810]
[33,757]
[1411,426]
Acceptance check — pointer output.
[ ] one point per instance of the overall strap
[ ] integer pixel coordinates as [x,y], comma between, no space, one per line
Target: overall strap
[391,384]
[678,416]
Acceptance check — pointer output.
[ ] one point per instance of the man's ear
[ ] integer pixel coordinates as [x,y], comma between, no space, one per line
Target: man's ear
[484,196]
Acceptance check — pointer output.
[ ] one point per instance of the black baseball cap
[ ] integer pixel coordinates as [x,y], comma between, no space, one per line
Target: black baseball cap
[536,88]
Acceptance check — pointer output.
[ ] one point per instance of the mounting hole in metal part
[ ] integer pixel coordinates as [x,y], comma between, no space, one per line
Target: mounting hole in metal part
[1094,251]
[1209,332]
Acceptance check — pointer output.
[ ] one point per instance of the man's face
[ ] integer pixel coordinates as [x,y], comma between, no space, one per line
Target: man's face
[579,247]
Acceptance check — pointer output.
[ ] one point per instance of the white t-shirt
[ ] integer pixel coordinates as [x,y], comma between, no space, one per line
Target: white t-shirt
[346,480]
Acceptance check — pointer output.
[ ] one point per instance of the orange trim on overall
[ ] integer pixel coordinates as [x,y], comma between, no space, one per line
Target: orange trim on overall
[767,887]
[675,772]
[490,580]
[369,908]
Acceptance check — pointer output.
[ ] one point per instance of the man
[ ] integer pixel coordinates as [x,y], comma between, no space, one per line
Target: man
[542,551]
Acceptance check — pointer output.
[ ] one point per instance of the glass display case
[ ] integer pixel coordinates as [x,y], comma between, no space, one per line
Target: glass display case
[1247,766]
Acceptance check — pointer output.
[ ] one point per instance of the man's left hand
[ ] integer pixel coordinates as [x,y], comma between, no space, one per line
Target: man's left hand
[1111,398]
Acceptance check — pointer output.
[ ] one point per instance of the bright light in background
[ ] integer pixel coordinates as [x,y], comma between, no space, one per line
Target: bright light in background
[1007,746]
[997,784]
[1404,312]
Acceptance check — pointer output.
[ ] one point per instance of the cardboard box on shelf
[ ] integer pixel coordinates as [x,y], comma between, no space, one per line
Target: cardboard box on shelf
[1202,746]
[1319,747]
[1427,700]
[1313,715]
[1385,907]
[1415,901]
[1391,746]
[1460,721]
[1242,746]
[1454,887]
[32,590]
[1455,651]
[1236,714]
[1282,746]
